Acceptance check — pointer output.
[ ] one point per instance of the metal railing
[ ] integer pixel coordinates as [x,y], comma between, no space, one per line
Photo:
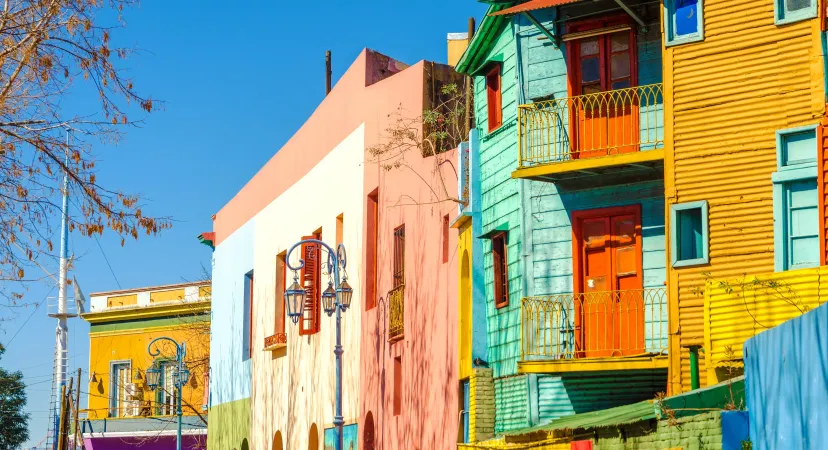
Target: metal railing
[396,316]
[594,325]
[592,125]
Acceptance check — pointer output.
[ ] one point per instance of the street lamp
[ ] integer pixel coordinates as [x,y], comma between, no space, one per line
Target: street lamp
[334,300]
[180,376]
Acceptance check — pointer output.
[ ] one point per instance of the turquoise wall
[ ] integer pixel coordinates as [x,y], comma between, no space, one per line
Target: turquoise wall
[500,203]
[512,410]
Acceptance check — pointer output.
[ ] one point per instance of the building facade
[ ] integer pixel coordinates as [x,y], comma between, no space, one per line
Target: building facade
[122,409]
[274,384]
[745,101]
[570,116]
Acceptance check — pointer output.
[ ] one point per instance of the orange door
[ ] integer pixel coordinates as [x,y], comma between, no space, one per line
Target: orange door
[609,310]
[605,123]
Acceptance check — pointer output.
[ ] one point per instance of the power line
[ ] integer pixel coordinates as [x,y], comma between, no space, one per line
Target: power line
[27,320]
[107,261]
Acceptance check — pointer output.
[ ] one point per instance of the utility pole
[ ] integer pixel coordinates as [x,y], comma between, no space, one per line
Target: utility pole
[77,408]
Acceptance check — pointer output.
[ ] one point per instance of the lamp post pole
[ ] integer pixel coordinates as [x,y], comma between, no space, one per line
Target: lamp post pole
[337,300]
[180,377]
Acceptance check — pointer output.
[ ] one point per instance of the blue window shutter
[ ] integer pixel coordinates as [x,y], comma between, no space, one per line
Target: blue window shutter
[686,17]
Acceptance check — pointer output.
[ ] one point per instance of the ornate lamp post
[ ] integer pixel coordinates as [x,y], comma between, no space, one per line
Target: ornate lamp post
[180,376]
[333,300]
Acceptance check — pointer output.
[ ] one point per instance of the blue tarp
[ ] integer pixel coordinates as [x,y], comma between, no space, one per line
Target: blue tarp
[786,373]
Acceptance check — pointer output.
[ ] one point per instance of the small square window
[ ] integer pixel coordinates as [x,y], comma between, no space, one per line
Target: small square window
[787,11]
[688,234]
[796,147]
[684,21]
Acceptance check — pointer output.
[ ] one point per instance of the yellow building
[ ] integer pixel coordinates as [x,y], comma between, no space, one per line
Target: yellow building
[744,93]
[122,325]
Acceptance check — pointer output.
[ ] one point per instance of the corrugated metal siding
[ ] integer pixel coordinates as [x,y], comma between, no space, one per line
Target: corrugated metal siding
[730,94]
[744,308]
[500,204]
[511,403]
[567,394]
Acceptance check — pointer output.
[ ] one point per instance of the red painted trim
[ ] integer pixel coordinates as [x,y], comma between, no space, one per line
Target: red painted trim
[821,186]
[494,98]
[500,270]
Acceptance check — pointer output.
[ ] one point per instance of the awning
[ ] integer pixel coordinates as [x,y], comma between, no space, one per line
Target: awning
[532,5]
[612,417]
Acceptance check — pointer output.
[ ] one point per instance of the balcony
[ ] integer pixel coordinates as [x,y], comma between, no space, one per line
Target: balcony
[594,331]
[396,319]
[275,342]
[615,134]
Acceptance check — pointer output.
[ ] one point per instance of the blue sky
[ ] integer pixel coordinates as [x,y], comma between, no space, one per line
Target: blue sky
[237,82]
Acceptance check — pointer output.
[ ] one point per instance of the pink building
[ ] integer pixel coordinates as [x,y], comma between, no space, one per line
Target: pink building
[408,386]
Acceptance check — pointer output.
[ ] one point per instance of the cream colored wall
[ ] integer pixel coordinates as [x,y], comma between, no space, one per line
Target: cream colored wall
[294,388]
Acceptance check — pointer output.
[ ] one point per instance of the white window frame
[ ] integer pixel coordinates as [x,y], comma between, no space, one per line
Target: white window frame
[670,37]
[782,17]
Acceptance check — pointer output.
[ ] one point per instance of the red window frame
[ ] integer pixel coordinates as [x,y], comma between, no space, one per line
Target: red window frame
[500,267]
[311,279]
[371,237]
[445,239]
[573,59]
[397,400]
[281,277]
[494,96]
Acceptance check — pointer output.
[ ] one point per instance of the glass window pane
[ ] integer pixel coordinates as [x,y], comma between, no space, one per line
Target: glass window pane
[797,5]
[620,66]
[589,47]
[590,89]
[689,234]
[799,148]
[590,69]
[621,84]
[803,224]
[619,42]
[686,17]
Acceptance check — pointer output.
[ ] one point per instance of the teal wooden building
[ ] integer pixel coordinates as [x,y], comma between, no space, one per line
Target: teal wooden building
[569,111]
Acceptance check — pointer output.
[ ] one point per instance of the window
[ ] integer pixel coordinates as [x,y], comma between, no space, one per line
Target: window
[685,21]
[399,256]
[248,316]
[371,251]
[281,284]
[787,11]
[311,275]
[445,238]
[796,200]
[464,410]
[397,385]
[120,380]
[494,100]
[688,234]
[500,267]
[165,395]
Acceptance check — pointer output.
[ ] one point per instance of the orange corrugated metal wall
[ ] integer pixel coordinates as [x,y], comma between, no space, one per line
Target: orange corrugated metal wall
[730,93]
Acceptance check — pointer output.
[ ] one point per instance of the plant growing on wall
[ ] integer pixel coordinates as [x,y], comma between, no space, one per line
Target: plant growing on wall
[49,49]
[437,130]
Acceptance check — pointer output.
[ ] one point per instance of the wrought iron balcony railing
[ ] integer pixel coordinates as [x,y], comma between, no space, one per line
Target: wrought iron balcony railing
[591,125]
[396,316]
[594,325]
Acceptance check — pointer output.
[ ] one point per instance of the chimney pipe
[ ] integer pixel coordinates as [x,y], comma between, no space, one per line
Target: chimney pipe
[327,72]
[469,117]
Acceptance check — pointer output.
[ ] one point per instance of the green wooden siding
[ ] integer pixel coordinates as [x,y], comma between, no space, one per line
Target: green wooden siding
[501,203]
[511,403]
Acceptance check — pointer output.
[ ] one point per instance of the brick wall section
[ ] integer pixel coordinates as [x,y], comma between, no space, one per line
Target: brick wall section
[703,431]
[481,405]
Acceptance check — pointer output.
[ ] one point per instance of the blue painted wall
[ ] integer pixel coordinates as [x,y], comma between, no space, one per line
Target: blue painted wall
[786,381]
[230,367]
[480,335]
